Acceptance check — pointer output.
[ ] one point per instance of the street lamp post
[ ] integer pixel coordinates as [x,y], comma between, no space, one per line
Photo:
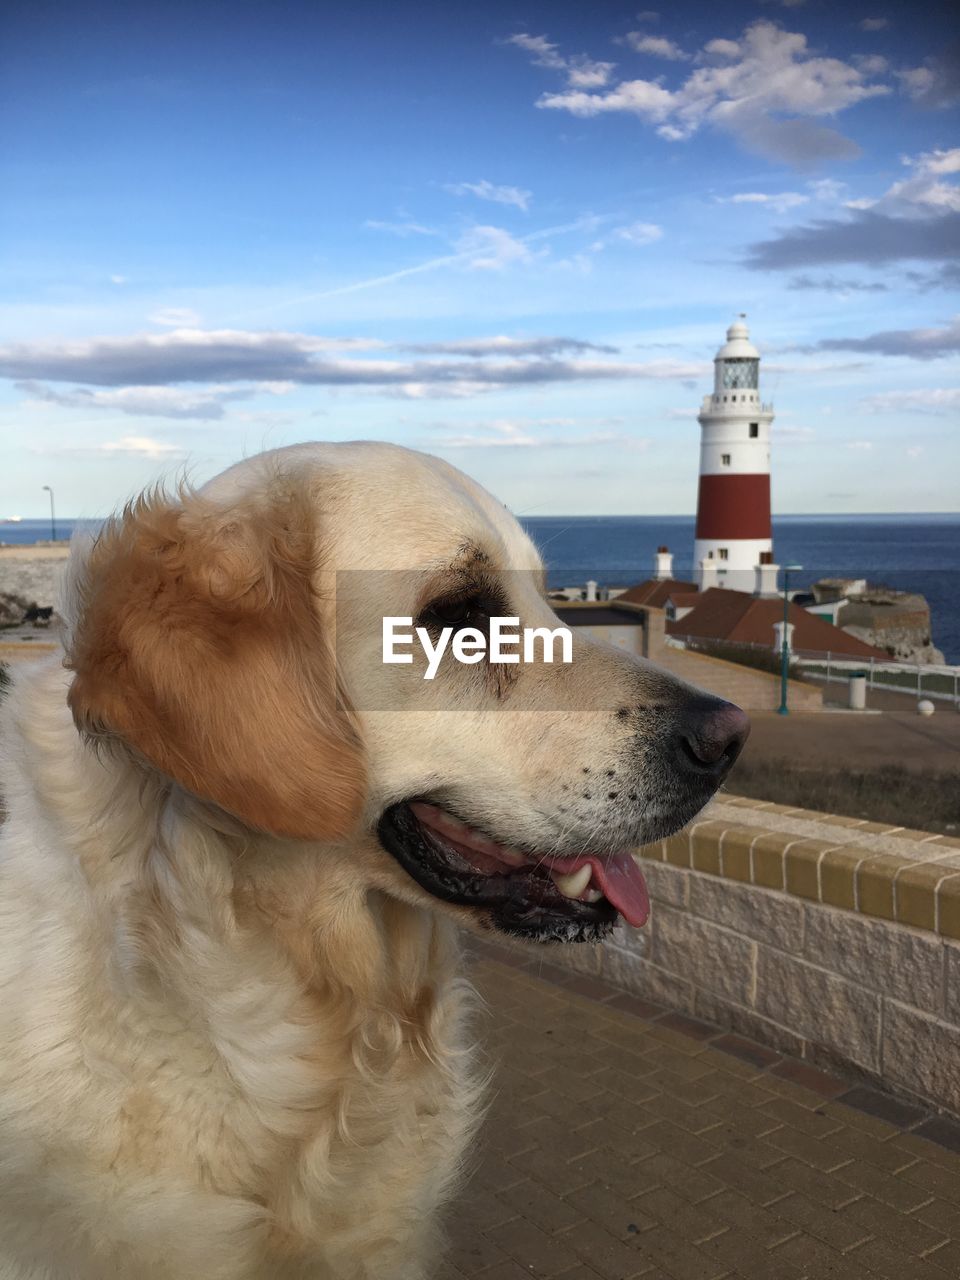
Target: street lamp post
[783,709]
[53,517]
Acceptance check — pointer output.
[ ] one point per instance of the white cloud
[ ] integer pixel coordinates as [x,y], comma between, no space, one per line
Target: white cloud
[863,446]
[492,249]
[501,345]
[485,190]
[656,47]
[146,367]
[148,402]
[779,202]
[938,400]
[118,279]
[766,95]
[175,318]
[873,24]
[581,72]
[402,228]
[924,191]
[639,233]
[506,433]
[722,49]
[126,446]
[936,83]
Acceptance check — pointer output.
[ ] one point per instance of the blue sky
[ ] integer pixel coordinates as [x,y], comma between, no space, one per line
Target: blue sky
[512,236]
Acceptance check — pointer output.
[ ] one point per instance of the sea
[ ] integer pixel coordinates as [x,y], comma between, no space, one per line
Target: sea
[907,552]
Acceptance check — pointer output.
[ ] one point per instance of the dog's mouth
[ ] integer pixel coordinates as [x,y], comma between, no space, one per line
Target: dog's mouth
[541,896]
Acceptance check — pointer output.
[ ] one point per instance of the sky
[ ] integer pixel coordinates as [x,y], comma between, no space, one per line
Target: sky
[510,234]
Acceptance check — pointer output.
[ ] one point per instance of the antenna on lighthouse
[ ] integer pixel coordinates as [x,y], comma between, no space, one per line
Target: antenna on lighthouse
[733,504]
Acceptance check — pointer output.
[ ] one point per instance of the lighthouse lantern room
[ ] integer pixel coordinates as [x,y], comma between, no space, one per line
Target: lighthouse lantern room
[733,532]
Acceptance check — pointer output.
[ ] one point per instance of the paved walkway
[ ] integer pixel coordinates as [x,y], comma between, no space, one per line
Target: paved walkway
[625,1141]
[847,739]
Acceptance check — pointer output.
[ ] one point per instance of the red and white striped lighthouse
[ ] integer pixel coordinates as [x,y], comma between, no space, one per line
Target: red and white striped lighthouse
[733,504]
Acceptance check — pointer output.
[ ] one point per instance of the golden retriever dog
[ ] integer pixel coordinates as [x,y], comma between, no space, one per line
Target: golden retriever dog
[240,848]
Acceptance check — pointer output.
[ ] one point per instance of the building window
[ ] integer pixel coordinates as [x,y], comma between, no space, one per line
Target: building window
[754,430]
[723,553]
[725,459]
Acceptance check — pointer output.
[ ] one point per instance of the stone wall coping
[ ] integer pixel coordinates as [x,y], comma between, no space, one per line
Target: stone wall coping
[872,868]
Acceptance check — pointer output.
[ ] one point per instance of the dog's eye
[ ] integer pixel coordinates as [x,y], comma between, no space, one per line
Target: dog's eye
[462,611]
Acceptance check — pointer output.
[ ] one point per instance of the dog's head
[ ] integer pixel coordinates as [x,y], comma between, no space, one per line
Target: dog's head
[233,640]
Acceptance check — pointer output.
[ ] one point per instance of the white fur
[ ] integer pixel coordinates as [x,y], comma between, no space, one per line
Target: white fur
[229,1056]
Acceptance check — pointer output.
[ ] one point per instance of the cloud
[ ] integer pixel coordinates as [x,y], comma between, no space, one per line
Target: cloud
[831,284]
[175,318]
[779,202]
[867,237]
[936,83]
[927,189]
[485,190]
[230,356]
[639,233]
[126,446]
[501,345]
[149,402]
[506,433]
[765,92]
[918,344]
[946,276]
[656,46]
[118,279]
[864,446]
[402,228]
[936,400]
[492,249]
[873,24]
[581,72]
[182,355]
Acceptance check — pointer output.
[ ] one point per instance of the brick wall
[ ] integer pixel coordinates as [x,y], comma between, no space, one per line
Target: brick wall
[840,947]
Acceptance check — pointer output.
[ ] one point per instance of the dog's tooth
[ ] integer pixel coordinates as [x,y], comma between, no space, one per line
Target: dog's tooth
[573,883]
[591,895]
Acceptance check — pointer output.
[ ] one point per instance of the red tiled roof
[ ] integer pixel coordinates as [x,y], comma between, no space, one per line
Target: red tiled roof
[740,618]
[685,599]
[654,591]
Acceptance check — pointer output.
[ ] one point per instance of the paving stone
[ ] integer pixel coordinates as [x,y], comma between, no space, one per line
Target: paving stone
[620,1148]
[812,1258]
[881,1105]
[807,1077]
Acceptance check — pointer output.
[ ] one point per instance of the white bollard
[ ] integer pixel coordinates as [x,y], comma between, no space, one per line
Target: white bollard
[858,691]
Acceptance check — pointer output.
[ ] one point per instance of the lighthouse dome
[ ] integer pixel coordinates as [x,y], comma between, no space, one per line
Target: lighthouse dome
[738,345]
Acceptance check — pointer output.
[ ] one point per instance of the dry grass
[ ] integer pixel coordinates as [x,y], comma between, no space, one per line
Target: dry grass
[927,801]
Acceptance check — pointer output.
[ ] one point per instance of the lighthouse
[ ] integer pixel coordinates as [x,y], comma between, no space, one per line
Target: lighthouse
[733,533]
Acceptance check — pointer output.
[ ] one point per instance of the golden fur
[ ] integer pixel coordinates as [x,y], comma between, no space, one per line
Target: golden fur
[233,1040]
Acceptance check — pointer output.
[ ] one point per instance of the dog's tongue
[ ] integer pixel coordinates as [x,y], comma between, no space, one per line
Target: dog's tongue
[619,879]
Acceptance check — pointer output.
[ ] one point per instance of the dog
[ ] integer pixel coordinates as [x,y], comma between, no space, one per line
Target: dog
[240,849]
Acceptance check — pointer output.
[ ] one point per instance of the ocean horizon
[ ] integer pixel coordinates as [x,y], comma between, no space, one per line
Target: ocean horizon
[906,551]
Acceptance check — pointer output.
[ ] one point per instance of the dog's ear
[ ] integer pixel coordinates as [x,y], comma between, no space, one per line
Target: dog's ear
[199,642]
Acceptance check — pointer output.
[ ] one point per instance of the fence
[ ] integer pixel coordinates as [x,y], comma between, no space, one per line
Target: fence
[925,680]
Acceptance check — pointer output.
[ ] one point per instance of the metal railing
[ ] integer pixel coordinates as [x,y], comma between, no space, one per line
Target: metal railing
[939,682]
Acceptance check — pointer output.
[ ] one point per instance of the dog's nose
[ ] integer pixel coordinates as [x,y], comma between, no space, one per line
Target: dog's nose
[711,734]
